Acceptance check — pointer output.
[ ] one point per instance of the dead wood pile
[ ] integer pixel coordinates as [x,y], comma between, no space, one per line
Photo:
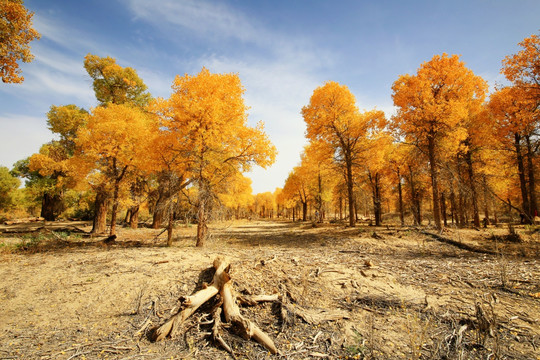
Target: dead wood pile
[228,302]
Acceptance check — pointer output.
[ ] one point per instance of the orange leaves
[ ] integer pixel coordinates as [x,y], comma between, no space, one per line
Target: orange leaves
[206,120]
[17,33]
[331,110]
[437,98]
[524,67]
[116,137]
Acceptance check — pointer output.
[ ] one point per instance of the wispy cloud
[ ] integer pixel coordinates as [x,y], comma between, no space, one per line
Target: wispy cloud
[21,136]
[203,17]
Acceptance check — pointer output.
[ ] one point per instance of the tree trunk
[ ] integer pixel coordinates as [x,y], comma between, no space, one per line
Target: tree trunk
[350,192]
[304,210]
[415,199]
[453,204]
[100,211]
[486,200]
[375,186]
[400,199]
[51,206]
[114,208]
[521,173]
[472,186]
[202,218]
[134,219]
[443,208]
[434,183]
[159,212]
[533,205]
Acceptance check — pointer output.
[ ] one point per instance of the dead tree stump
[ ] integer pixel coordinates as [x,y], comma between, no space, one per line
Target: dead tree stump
[222,285]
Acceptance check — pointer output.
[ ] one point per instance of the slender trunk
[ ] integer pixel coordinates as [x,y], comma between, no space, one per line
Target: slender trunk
[434,182]
[453,205]
[533,205]
[304,210]
[521,173]
[415,199]
[202,226]
[443,208]
[100,211]
[472,186]
[400,198]
[486,200]
[170,225]
[374,180]
[350,193]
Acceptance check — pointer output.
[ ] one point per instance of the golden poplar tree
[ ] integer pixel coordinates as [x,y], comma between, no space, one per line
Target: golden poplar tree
[115,142]
[332,118]
[206,120]
[16,33]
[431,106]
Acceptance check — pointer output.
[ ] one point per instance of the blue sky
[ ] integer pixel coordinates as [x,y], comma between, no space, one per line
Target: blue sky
[282,51]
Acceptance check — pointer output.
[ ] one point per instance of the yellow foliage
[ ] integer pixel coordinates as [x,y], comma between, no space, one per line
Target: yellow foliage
[16,34]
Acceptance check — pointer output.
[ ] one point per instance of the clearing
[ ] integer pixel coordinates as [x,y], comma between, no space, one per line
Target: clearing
[365,292]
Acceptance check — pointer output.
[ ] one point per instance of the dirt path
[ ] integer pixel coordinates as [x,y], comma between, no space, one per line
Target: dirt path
[405,294]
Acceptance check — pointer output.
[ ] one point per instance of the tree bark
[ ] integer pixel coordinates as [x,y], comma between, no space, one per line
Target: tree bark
[51,206]
[350,192]
[134,219]
[533,205]
[443,208]
[434,183]
[400,199]
[101,205]
[521,173]
[486,200]
[202,219]
[472,186]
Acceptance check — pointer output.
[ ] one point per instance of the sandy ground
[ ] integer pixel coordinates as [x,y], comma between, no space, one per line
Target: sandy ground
[404,294]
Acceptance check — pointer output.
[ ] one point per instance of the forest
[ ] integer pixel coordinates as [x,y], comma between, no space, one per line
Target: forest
[413,235]
[452,154]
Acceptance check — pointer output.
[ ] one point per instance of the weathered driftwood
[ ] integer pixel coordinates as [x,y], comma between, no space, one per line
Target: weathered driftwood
[246,328]
[221,284]
[191,303]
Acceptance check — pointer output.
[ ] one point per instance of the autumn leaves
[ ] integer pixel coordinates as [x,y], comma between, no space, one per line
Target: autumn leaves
[199,137]
[445,143]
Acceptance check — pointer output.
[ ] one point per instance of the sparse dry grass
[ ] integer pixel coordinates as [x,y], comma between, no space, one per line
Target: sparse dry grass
[407,294]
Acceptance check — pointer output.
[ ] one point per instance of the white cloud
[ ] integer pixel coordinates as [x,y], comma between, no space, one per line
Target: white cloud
[69,38]
[203,17]
[21,136]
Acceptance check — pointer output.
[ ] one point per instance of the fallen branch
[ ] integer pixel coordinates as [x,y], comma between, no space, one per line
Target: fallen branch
[222,285]
[458,244]
[191,303]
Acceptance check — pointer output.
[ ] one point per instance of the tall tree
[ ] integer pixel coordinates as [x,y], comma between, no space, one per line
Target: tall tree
[332,118]
[523,69]
[16,33]
[115,141]
[206,112]
[112,84]
[514,121]
[431,106]
[52,161]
